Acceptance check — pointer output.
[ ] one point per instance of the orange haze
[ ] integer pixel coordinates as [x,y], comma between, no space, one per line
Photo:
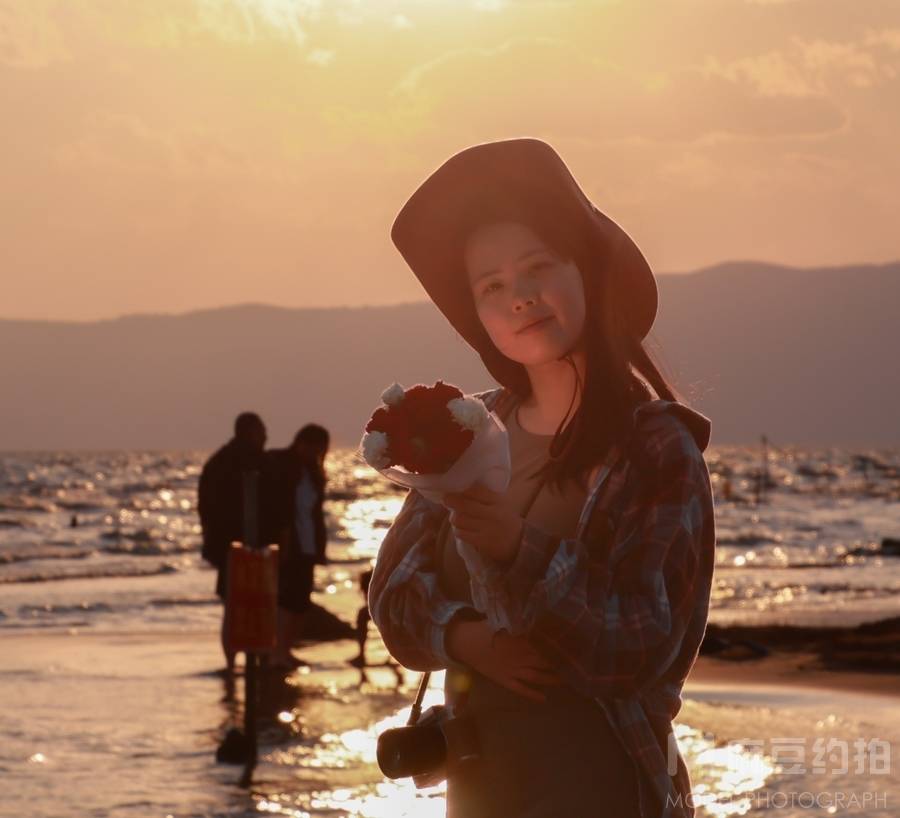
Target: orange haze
[192,153]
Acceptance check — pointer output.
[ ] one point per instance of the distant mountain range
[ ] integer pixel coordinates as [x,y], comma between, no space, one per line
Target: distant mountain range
[805,356]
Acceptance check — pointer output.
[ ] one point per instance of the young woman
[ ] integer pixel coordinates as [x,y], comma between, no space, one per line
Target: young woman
[298,473]
[569,636]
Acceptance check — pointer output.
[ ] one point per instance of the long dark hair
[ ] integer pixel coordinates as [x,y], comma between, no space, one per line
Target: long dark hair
[619,372]
[317,437]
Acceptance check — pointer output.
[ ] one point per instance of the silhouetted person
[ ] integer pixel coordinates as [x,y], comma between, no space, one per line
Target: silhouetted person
[363,617]
[221,500]
[298,475]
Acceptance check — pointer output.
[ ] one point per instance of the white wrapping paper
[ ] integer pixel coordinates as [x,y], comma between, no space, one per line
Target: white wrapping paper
[485,461]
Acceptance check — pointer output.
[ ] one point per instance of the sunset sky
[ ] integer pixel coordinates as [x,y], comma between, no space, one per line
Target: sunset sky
[176,154]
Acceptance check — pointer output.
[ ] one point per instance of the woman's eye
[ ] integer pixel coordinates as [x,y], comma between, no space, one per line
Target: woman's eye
[496,284]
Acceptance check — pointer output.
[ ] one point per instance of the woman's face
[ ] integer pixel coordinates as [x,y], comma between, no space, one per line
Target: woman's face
[516,279]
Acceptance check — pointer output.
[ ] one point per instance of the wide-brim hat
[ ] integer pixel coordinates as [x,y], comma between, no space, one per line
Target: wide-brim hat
[530,174]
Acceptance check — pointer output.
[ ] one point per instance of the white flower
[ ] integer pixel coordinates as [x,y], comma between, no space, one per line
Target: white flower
[470,413]
[393,394]
[374,449]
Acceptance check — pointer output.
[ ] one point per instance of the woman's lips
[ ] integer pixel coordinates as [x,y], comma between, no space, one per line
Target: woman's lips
[537,325]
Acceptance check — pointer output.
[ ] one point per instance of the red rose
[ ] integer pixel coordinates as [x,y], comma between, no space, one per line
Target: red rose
[423,436]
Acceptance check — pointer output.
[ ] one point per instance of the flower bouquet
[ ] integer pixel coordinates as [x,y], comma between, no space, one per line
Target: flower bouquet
[437,440]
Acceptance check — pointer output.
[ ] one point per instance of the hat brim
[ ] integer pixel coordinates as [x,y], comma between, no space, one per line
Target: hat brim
[425,230]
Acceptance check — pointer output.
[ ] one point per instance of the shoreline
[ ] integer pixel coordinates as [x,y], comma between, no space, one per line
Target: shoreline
[791,670]
[801,657]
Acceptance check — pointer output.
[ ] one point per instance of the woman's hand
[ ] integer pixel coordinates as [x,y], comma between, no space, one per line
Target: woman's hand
[484,520]
[511,661]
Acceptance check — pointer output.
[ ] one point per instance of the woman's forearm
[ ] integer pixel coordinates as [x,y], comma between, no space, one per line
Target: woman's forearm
[460,637]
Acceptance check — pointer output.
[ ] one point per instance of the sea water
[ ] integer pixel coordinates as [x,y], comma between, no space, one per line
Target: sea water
[111,705]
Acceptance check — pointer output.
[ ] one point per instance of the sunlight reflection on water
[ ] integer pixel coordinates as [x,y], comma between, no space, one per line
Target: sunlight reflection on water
[355,749]
[366,521]
[721,774]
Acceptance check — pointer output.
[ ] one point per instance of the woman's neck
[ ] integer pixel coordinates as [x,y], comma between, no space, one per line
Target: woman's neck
[552,389]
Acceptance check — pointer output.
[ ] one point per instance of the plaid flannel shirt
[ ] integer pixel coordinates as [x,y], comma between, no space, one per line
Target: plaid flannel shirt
[622,606]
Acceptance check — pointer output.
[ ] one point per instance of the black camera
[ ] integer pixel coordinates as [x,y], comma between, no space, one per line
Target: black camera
[436,746]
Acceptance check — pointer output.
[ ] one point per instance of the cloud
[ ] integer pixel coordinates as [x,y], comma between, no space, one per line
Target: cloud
[320,56]
[833,61]
[530,85]
[29,36]
[247,20]
[126,145]
[815,67]
[489,5]
[770,75]
[889,37]
[38,32]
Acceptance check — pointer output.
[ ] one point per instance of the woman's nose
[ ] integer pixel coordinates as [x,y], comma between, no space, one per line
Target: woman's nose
[524,295]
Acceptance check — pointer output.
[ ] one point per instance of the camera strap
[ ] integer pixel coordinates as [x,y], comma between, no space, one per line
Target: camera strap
[416,710]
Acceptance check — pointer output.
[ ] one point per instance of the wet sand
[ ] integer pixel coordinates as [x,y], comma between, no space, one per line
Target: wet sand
[794,669]
[863,658]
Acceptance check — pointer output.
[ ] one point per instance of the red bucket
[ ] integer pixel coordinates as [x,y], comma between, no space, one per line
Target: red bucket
[252,598]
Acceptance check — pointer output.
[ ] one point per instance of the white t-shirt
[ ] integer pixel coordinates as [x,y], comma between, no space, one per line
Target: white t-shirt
[304,502]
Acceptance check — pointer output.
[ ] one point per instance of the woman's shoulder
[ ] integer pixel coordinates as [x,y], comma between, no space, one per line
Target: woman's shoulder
[665,429]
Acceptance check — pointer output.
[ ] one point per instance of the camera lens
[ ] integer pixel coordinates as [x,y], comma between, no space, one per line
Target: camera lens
[413,750]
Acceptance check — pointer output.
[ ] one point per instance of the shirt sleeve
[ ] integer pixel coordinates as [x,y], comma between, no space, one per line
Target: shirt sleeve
[306,491]
[205,494]
[486,578]
[214,532]
[305,501]
[406,604]
[616,625]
